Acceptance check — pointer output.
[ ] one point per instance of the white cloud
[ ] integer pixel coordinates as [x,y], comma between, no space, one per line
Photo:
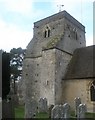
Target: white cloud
[11,36]
[20,6]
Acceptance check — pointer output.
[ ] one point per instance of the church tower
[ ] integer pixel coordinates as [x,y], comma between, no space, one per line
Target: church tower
[48,54]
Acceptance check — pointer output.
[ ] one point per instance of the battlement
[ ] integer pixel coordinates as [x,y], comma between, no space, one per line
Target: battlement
[58,16]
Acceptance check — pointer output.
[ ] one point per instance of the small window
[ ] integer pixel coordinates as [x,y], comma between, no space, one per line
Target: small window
[74,34]
[47,82]
[92,91]
[47,32]
[26,74]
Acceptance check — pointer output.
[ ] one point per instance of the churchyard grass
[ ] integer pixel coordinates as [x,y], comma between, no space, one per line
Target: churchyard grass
[19,112]
[90,115]
[42,115]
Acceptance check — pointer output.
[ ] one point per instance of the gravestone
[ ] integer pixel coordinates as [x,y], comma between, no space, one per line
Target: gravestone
[61,111]
[66,107]
[32,109]
[81,111]
[8,109]
[50,109]
[42,105]
[77,103]
[55,112]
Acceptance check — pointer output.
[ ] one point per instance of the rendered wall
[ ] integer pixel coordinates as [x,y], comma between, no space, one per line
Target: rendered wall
[78,88]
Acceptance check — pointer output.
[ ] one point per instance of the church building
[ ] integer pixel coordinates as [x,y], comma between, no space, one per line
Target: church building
[58,65]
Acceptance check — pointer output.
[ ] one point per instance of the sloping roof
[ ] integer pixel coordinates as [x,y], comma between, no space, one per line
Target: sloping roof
[82,64]
[60,15]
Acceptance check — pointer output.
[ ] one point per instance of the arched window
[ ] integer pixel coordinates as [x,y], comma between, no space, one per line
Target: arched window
[74,34]
[92,91]
[47,32]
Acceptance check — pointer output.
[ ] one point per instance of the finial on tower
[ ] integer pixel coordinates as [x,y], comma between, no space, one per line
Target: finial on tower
[60,7]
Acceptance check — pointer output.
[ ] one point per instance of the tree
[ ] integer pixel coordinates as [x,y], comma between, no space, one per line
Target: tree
[16,63]
[5,74]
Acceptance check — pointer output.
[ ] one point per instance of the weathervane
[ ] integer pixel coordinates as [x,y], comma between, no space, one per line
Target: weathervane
[60,7]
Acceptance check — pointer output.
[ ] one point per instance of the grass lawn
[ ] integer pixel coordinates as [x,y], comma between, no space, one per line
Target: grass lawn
[42,115]
[90,115]
[19,112]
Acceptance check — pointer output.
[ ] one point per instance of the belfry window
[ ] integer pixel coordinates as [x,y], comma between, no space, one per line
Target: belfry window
[47,32]
[92,91]
[74,34]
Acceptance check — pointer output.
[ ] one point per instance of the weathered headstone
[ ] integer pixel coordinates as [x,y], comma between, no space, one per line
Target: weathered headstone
[55,112]
[50,109]
[81,111]
[66,107]
[61,111]
[77,103]
[32,109]
[8,109]
[42,106]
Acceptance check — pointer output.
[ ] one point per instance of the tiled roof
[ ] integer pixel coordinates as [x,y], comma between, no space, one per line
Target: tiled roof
[82,64]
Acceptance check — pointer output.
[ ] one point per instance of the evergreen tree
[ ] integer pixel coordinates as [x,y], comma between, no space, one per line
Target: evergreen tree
[16,63]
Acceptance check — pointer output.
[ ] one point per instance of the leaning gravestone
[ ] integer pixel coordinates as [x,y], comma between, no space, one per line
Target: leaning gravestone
[77,103]
[42,105]
[81,111]
[66,107]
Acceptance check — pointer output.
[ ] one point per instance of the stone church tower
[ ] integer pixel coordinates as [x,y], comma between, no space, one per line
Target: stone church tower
[47,56]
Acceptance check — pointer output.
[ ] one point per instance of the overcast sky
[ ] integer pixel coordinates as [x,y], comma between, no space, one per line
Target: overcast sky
[17,18]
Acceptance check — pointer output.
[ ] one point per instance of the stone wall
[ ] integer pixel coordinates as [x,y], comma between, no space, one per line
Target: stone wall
[31,78]
[61,63]
[47,88]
